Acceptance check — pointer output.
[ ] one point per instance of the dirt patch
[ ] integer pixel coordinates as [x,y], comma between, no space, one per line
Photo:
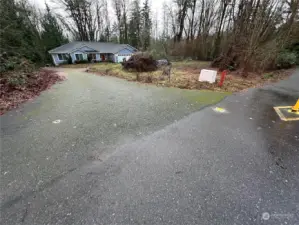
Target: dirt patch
[18,87]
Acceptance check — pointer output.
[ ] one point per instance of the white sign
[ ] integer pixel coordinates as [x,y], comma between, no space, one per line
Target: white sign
[208,76]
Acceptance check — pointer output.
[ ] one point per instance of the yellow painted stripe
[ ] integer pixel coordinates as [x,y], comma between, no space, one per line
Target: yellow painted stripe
[280,114]
[282,117]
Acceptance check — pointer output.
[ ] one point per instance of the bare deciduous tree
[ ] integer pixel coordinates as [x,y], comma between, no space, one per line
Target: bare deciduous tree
[182,6]
[82,14]
[120,7]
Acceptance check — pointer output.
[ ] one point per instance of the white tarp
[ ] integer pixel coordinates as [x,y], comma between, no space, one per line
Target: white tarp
[208,76]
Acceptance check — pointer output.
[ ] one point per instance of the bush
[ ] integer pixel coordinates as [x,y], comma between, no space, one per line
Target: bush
[9,66]
[141,62]
[16,80]
[64,63]
[81,61]
[286,60]
[14,63]
[8,63]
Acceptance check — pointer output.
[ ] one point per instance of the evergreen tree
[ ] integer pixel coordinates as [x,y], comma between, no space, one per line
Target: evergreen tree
[107,34]
[146,25]
[19,31]
[52,35]
[135,25]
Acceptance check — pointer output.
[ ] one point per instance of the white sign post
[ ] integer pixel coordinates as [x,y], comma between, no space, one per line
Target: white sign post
[208,76]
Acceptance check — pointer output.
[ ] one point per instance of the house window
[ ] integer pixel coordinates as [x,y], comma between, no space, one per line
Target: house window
[60,56]
[79,57]
[63,57]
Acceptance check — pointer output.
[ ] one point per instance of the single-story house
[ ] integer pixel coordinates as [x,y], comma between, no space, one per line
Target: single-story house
[92,51]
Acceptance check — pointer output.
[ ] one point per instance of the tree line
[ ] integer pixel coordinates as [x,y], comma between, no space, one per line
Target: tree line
[27,34]
[92,21]
[253,35]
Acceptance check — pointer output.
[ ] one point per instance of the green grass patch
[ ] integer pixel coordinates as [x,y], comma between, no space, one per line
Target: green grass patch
[205,97]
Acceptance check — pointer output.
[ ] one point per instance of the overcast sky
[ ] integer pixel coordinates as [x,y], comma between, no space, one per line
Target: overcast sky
[155,5]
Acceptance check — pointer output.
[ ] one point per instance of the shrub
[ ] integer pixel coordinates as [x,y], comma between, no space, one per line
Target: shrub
[9,66]
[286,60]
[81,61]
[141,62]
[64,63]
[16,80]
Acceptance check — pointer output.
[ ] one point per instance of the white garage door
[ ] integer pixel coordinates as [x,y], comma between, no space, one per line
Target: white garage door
[120,58]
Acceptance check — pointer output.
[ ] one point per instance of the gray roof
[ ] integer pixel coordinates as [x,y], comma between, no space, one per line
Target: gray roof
[103,47]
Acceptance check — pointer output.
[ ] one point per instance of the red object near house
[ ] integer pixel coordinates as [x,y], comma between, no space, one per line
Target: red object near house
[223,74]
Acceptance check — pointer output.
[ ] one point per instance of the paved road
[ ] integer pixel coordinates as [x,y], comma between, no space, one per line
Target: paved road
[205,168]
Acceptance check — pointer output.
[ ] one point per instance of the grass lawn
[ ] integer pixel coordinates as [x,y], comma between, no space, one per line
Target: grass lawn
[184,74]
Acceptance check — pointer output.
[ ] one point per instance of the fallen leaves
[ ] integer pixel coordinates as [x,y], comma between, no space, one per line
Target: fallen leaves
[13,94]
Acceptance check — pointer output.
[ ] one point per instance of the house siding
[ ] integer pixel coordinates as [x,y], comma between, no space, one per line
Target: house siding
[98,57]
[56,60]
[73,55]
[125,52]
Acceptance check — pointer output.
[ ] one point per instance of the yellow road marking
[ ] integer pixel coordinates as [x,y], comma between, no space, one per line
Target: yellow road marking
[221,110]
[282,116]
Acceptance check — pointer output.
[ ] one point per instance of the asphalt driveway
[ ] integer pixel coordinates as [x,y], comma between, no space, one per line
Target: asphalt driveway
[79,121]
[126,153]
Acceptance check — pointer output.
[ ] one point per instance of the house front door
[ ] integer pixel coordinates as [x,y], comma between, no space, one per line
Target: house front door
[103,57]
[91,57]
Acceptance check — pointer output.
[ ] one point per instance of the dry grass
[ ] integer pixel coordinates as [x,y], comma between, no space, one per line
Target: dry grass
[191,64]
[184,74]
